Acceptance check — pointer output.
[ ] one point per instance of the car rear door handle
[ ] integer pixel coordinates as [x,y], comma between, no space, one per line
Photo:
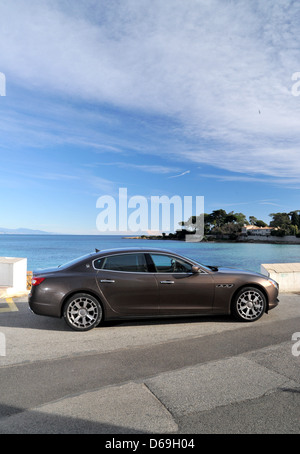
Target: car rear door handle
[107,280]
[167,282]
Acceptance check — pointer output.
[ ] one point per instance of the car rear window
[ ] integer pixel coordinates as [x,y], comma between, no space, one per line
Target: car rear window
[74,262]
[135,263]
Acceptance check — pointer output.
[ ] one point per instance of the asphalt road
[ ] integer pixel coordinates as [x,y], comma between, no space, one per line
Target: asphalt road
[179,376]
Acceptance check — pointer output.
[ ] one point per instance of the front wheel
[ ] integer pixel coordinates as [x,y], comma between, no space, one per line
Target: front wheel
[249,304]
[82,312]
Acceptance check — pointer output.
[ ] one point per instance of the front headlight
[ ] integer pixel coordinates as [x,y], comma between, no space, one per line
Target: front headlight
[274,283]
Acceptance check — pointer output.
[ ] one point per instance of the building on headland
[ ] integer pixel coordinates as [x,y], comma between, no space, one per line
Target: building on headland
[254,230]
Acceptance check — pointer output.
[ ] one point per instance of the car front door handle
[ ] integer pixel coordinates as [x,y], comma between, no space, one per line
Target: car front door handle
[111,281]
[167,282]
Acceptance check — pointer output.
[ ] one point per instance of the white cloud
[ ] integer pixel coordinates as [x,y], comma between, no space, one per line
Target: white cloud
[181,174]
[149,168]
[156,169]
[221,70]
[290,182]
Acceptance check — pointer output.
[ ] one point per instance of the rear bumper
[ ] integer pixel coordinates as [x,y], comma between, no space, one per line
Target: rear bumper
[40,306]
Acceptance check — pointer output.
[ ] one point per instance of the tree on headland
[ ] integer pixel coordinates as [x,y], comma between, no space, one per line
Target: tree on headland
[252,220]
[260,223]
[220,223]
[281,220]
[257,222]
[295,218]
[217,218]
[286,223]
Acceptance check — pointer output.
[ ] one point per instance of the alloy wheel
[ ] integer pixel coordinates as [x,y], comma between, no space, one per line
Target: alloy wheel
[250,304]
[83,312]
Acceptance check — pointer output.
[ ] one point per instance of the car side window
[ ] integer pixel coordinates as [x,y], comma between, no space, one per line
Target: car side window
[169,264]
[134,263]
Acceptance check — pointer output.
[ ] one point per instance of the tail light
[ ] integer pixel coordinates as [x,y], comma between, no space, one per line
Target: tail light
[37,280]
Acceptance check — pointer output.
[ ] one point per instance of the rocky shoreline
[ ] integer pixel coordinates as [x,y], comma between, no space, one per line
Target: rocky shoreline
[214,239]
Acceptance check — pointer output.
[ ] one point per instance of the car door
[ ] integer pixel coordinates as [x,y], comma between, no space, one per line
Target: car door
[127,286]
[182,291]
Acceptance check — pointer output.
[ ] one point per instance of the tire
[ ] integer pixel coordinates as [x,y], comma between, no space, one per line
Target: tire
[82,312]
[249,304]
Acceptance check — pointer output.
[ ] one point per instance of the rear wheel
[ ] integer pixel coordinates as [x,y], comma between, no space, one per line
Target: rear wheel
[82,312]
[249,304]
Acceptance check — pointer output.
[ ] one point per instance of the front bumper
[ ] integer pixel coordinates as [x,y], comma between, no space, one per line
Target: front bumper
[273,304]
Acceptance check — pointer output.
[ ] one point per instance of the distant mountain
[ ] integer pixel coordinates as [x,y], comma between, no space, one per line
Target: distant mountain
[23,231]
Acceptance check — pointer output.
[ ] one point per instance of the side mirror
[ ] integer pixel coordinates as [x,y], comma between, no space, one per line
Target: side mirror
[195,269]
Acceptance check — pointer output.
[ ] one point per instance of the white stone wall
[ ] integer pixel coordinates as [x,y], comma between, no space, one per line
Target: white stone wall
[286,274]
[13,273]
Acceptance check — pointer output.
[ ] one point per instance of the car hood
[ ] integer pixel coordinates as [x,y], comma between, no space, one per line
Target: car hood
[226,270]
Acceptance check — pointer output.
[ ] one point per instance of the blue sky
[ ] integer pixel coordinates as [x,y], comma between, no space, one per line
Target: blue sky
[163,97]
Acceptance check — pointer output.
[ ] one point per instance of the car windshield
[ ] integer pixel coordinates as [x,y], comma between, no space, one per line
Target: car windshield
[73,262]
[206,267]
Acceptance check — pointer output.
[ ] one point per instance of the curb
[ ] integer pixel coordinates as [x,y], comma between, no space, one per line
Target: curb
[11,293]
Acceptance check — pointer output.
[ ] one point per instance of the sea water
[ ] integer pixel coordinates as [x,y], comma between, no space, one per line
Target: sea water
[44,251]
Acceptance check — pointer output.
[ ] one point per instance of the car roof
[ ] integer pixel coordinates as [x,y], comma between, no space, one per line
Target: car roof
[102,253]
[132,249]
